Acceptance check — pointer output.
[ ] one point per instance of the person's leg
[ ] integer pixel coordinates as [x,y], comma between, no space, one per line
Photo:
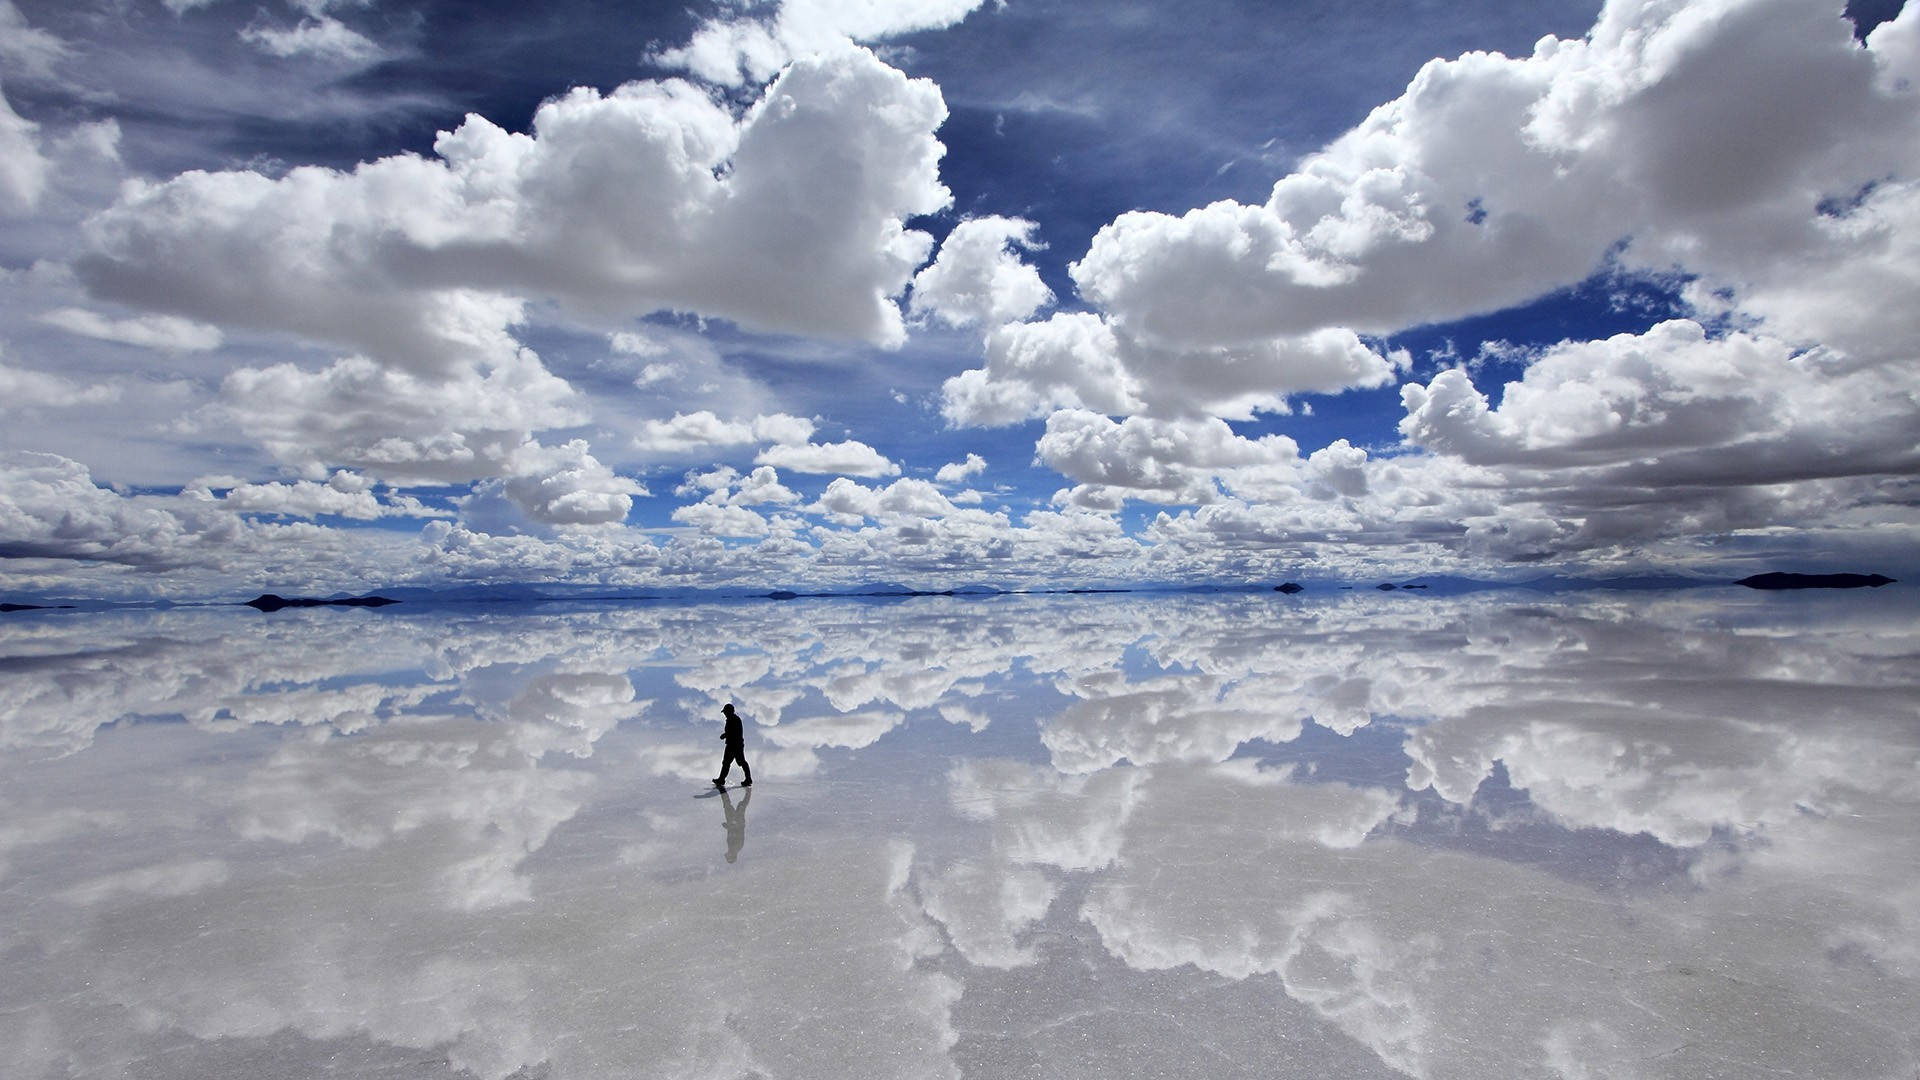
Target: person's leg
[726,762]
[746,774]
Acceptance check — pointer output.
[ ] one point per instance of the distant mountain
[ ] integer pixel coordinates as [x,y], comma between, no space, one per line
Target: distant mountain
[271,602]
[1777,580]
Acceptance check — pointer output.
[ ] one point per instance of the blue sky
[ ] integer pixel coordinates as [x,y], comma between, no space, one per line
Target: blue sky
[330,294]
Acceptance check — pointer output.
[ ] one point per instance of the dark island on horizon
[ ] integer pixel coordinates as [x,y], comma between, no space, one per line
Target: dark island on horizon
[1777,580]
[271,602]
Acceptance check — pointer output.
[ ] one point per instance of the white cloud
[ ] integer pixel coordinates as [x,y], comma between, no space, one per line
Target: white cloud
[906,497]
[741,49]
[719,519]
[724,511]
[1669,433]
[955,472]
[1707,140]
[703,431]
[635,344]
[22,389]
[1751,144]
[51,508]
[60,529]
[1070,361]
[164,332]
[324,38]
[849,458]
[549,486]
[788,218]
[978,279]
[23,168]
[28,51]
[399,425]
[344,495]
[762,486]
[1083,361]
[1156,460]
[656,373]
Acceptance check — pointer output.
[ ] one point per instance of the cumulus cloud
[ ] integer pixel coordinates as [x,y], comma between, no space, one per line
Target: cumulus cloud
[1645,436]
[50,508]
[760,487]
[955,472]
[1068,361]
[979,279]
[738,48]
[654,197]
[461,425]
[1080,360]
[725,510]
[1703,140]
[719,519]
[703,431]
[164,332]
[344,495]
[905,497]
[848,458]
[1156,460]
[1752,150]
[552,485]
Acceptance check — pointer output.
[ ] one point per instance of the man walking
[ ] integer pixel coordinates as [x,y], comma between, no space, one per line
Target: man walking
[736,750]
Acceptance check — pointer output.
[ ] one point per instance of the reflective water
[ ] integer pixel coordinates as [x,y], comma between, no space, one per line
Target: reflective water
[1346,836]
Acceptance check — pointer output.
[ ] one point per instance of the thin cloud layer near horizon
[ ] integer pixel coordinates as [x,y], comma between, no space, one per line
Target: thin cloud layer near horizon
[324,294]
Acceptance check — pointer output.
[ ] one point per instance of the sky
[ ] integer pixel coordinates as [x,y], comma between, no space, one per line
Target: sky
[320,295]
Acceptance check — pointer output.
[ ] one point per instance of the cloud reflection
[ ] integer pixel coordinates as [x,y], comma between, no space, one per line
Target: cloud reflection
[467,835]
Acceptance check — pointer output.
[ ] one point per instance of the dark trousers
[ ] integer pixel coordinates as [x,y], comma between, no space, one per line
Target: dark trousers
[735,753]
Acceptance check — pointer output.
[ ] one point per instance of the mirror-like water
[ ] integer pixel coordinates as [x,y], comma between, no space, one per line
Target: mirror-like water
[1353,836]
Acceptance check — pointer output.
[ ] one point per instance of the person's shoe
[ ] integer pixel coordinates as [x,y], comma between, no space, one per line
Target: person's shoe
[717,782]
[746,783]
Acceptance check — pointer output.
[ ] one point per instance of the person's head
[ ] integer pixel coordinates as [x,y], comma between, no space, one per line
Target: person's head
[727,708]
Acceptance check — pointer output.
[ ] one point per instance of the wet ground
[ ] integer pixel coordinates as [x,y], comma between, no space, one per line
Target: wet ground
[1608,835]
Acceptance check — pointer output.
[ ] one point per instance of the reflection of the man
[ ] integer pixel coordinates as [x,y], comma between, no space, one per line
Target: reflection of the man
[736,821]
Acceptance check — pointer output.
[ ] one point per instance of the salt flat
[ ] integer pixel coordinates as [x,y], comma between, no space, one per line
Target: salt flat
[1335,835]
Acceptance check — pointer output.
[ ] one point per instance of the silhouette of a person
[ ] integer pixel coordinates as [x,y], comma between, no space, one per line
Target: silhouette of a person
[736,823]
[736,750]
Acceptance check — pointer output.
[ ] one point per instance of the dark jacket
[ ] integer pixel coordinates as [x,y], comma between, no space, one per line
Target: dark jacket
[733,734]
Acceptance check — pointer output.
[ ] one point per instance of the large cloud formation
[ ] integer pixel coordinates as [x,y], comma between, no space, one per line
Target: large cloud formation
[1751,150]
[381,322]
[730,51]
[1708,135]
[653,197]
[786,217]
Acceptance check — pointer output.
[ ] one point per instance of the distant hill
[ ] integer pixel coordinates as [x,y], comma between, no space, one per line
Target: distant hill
[271,602]
[1777,580]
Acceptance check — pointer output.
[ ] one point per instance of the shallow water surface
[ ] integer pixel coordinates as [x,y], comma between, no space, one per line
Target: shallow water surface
[1360,835]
